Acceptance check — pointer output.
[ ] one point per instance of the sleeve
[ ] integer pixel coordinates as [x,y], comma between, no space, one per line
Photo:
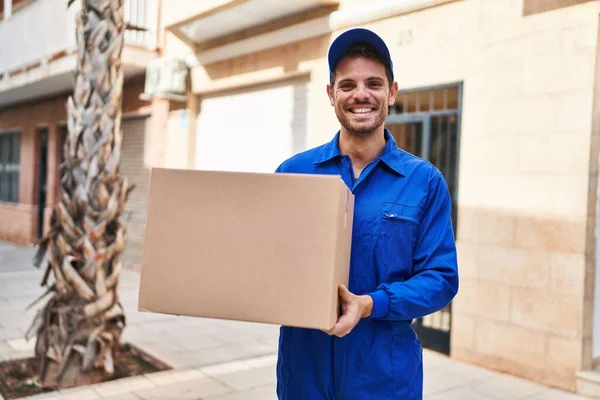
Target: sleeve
[434,282]
[282,168]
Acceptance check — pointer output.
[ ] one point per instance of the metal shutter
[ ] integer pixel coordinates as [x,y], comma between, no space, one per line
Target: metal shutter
[252,131]
[133,150]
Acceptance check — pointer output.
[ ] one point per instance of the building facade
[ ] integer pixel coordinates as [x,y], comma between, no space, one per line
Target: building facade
[35,81]
[501,95]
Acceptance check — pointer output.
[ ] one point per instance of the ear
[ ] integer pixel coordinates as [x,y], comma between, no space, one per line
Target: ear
[330,94]
[393,94]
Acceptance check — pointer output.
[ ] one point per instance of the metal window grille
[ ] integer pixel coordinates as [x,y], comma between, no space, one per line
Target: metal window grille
[9,167]
[426,123]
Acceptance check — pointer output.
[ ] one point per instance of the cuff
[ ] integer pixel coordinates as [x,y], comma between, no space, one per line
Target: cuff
[381,304]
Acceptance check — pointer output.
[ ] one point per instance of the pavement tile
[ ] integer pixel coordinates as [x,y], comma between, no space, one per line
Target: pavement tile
[174,376]
[503,387]
[146,334]
[10,333]
[22,344]
[5,247]
[4,347]
[188,390]
[459,393]
[159,349]
[435,360]
[19,304]
[18,320]
[262,361]
[260,349]
[15,355]
[78,394]
[207,357]
[226,368]
[246,379]
[267,392]
[440,380]
[121,386]
[468,372]
[126,396]
[552,394]
[198,341]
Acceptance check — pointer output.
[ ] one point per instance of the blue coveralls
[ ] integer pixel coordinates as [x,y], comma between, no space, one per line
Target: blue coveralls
[403,254]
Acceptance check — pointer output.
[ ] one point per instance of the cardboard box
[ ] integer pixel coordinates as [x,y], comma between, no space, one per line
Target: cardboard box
[268,248]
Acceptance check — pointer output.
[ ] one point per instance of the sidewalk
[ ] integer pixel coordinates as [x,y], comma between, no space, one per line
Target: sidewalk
[215,359]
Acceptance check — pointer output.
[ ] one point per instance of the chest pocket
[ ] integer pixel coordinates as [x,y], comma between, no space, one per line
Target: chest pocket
[397,235]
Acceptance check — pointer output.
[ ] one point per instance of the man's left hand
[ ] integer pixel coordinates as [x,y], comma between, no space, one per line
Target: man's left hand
[354,308]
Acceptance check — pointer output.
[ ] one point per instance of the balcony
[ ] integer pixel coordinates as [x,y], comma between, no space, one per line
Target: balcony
[213,27]
[37,45]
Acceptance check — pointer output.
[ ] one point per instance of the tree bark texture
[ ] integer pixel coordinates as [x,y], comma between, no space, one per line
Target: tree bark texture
[79,328]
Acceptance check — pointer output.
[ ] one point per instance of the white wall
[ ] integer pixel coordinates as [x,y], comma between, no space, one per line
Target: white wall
[44,27]
[36,30]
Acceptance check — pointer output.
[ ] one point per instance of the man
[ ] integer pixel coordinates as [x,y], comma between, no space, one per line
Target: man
[403,260]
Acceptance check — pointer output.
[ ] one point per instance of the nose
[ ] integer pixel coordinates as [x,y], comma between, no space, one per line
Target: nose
[361,94]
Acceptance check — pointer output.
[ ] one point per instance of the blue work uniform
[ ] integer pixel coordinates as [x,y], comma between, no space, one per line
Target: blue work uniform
[403,255]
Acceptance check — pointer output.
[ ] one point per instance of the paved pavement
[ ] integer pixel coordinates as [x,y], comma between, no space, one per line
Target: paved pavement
[215,359]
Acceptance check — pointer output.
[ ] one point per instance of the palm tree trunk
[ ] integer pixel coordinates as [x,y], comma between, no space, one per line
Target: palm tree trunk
[79,328]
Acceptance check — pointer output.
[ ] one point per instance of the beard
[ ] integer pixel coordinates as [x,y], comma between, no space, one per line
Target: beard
[361,129]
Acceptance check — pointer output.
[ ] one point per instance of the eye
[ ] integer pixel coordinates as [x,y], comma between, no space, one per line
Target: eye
[375,84]
[345,86]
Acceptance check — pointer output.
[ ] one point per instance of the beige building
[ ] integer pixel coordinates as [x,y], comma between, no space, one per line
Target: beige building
[502,95]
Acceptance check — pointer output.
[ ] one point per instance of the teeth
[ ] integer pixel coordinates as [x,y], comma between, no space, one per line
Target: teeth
[362,110]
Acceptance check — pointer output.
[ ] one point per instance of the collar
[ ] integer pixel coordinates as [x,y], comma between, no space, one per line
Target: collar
[390,156]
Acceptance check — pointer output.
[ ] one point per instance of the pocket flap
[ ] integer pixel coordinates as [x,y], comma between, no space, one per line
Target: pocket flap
[401,212]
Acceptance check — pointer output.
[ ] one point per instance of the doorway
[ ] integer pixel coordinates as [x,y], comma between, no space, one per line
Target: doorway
[42,179]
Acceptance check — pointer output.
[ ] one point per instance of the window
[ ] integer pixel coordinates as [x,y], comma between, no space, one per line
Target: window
[9,167]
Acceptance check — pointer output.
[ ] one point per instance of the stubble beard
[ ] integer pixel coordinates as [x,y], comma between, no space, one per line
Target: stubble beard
[361,130]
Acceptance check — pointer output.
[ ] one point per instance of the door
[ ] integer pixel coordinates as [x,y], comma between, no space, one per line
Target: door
[426,123]
[42,179]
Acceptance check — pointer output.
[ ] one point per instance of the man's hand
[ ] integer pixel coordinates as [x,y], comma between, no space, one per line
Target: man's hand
[353,309]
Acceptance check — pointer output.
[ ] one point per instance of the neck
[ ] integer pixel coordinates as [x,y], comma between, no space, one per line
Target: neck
[362,149]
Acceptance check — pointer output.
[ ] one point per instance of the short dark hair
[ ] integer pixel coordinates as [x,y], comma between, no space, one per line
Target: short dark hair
[365,51]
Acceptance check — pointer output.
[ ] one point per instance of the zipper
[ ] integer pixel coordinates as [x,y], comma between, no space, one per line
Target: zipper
[398,217]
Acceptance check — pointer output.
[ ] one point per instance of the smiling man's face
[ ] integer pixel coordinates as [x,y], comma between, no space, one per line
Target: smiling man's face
[361,95]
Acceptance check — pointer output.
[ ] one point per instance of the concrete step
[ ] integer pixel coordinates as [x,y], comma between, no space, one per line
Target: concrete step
[588,384]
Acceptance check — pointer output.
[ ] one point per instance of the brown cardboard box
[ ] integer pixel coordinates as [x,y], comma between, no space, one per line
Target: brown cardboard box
[244,246]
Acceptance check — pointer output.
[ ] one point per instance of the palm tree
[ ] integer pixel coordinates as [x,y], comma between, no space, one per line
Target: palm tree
[79,328]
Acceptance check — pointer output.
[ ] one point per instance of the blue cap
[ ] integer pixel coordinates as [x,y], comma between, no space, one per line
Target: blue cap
[353,36]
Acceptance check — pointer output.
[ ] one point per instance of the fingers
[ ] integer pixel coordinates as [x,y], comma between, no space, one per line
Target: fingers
[344,293]
[348,320]
[338,330]
[343,327]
